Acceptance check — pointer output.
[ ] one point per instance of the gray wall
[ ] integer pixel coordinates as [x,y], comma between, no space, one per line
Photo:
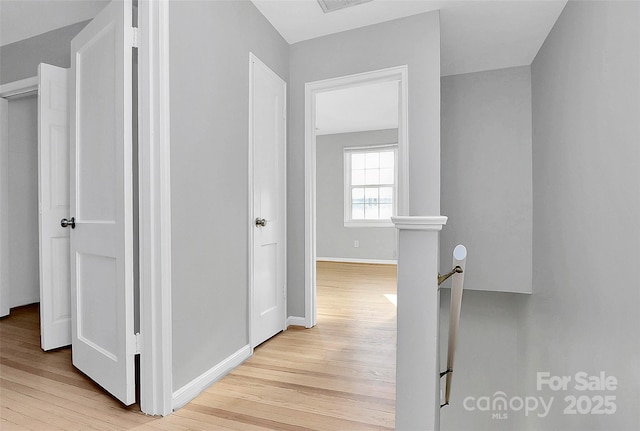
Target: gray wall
[23,268]
[583,314]
[586,154]
[20,59]
[412,41]
[486,177]
[333,239]
[209,66]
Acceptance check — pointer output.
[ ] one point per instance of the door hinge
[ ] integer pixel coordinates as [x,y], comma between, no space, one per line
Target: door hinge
[138,344]
[134,37]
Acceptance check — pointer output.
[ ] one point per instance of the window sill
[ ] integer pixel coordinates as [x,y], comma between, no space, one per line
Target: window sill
[370,223]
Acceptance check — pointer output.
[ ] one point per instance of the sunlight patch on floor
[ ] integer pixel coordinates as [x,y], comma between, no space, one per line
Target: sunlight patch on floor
[392,297]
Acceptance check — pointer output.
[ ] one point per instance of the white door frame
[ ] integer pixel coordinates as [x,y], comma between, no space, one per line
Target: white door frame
[311,89]
[4,199]
[4,206]
[252,60]
[154,151]
[19,88]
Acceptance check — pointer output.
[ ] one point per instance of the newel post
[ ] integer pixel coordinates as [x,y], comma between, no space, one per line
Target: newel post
[417,356]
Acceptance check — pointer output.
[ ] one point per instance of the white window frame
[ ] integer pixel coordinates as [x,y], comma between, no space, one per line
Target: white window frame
[348,151]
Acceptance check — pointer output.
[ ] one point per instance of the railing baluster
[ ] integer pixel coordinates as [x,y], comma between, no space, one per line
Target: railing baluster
[457,281]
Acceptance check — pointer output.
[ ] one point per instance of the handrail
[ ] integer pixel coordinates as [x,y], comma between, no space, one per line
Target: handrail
[444,277]
[457,281]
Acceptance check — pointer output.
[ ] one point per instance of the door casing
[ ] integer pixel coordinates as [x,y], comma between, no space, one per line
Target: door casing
[154,179]
[400,74]
[4,205]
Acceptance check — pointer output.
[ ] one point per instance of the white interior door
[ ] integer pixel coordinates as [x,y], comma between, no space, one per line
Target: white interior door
[53,198]
[103,341]
[267,136]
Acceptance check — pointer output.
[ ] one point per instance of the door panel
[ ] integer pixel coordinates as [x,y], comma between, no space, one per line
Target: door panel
[53,197]
[101,201]
[98,129]
[268,125]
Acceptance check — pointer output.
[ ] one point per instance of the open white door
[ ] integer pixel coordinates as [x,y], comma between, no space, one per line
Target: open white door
[267,142]
[103,341]
[53,197]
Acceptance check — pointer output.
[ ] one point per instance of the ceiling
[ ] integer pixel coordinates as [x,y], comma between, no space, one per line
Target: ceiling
[475,35]
[21,19]
[487,35]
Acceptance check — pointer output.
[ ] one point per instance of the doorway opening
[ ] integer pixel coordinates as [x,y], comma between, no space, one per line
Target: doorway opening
[349,119]
[36,222]
[19,269]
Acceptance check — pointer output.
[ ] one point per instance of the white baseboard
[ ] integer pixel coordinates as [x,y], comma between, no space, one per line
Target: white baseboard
[5,310]
[192,389]
[295,321]
[26,301]
[356,260]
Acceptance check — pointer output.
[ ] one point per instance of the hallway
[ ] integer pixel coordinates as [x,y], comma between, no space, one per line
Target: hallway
[339,375]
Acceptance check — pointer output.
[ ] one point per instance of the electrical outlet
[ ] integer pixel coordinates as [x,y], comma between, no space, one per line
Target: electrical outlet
[356,243]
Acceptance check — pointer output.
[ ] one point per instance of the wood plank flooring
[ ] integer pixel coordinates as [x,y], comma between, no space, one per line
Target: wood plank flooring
[339,375]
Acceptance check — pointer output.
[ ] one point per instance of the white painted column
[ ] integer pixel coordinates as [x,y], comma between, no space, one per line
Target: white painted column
[417,356]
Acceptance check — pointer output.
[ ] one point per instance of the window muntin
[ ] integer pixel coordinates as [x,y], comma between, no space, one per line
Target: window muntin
[370,185]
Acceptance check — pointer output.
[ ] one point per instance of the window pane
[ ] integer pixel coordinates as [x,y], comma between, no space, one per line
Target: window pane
[357,212]
[387,159]
[371,195]
[386,176]
[372,160]
[357,196]
[386,195]
[386,211]
[372,177]
[371,206]
[357,177]
[357,161]
[371,211]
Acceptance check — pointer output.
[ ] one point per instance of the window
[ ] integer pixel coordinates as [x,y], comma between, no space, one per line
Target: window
[370,185]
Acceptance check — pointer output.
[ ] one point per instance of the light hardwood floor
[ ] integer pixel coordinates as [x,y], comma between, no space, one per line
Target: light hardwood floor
[339,375]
